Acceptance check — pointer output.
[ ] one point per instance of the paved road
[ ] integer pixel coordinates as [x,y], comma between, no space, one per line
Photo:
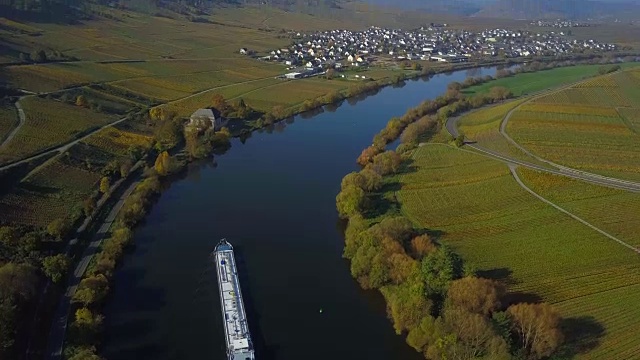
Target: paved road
[59,326]
[21,120]
[452,127]
[513,167]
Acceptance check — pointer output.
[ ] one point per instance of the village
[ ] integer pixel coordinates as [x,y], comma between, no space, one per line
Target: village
[311,54]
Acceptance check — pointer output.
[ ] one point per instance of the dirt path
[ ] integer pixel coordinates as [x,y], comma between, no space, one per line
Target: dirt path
[513,168]
[21,121]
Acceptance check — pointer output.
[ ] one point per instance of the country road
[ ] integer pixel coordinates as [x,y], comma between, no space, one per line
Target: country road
[21,120]
[59,327]
[452,127]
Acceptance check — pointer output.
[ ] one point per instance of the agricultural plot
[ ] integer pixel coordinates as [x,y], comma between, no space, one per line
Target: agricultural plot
[483,126]
[508,234]
[8,120]
[291,93]
[42,78]
[53,192]
[614,211]
[527,83]
[585,127]
[117,141]
[49,123]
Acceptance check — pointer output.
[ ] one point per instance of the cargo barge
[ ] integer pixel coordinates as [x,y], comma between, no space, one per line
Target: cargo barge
[234,316]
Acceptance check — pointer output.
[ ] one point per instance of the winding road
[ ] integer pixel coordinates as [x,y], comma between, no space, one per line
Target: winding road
[452,127]
[21,121]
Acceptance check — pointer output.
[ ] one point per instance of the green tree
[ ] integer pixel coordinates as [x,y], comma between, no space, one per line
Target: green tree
[87,322]
[39,56]
[59,228]
[55,267]
[18,281]
[125,168]
[351,201]
[459,140]
[105,185]
[7,324]
[439,269]
[9,237]
[538,328]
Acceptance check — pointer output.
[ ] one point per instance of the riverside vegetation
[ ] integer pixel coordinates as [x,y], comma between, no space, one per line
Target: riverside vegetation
[43,201]
[444,305]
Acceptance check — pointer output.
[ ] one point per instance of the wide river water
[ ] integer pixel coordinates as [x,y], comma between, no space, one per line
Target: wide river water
[273,198]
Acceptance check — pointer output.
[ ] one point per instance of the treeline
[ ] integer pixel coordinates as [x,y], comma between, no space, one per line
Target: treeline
[432,296]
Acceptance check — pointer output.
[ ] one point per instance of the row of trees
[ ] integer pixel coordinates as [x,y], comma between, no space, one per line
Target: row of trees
[432,296]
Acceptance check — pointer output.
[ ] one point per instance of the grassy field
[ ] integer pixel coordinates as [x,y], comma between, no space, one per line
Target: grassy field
[508,234]
[528,83]
[49,123]
[8,119]
[591,126]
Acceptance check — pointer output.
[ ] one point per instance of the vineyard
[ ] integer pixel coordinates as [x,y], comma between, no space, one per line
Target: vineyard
[53,192]
[117,142]
[483,127]
[8,120]
[41,78]
[49,123]
[590,126]
[614,211]
[507,233]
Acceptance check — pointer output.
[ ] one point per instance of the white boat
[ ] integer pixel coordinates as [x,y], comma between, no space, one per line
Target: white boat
[234,316]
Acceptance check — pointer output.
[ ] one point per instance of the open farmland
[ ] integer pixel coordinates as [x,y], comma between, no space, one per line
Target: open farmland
[49,123]
[590,126]
[118,142]
[509,234]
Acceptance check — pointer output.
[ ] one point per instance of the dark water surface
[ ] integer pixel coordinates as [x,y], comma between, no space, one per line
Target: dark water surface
[273,197]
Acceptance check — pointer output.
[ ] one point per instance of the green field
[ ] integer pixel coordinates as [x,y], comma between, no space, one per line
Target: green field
[49,123]
[508,234]
[528,83]
[590,126]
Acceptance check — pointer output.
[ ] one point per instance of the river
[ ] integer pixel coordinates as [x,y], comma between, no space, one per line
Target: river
[273,198]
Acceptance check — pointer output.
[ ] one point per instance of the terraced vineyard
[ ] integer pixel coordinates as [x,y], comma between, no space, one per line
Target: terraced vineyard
[49,123]
[509,234]
[591,126]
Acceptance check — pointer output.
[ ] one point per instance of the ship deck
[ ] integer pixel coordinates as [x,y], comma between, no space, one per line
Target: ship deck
[236,328]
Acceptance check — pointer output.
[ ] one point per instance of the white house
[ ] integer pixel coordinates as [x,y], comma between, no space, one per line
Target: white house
[201,116]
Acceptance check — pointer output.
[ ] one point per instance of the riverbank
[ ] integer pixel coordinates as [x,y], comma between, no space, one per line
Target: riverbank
[404,226]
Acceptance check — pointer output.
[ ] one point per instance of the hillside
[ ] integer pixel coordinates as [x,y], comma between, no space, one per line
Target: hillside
[570,9]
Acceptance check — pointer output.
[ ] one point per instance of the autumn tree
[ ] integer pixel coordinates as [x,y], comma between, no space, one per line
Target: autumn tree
[219,103]
[475,336]
[500,93]
[58,228]
[387,163]
[85,353]
[55,267]
[163,164]
[367,155]
[105,185]
[89,206]
[157,113]
[367,180]
[86,322]
[538,328]
[331,73]
[91,290]
[81,101]
[350,201]
[421,246]
[475,295]
[406,305]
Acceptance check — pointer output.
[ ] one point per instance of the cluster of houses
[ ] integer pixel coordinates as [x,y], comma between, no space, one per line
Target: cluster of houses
[560,23]
[338,48]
